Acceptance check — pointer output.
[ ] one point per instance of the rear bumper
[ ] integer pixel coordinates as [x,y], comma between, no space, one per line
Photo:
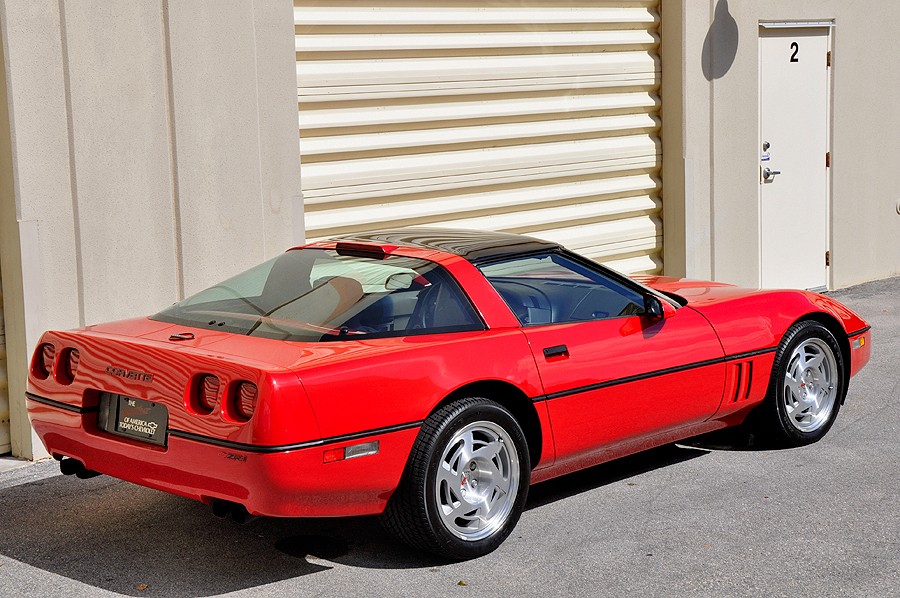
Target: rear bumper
[291,483]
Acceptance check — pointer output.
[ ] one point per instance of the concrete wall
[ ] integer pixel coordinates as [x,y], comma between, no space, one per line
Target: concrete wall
[153,152]
[710,136]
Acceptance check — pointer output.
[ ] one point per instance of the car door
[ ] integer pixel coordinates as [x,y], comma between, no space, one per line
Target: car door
[611,374]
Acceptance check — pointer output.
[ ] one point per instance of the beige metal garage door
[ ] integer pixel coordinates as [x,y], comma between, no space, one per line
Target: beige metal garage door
[538,117]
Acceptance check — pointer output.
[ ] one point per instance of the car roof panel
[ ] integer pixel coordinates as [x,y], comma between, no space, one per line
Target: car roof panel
[469,244]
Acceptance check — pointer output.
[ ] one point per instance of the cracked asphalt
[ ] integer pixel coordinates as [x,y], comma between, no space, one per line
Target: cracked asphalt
[708,517]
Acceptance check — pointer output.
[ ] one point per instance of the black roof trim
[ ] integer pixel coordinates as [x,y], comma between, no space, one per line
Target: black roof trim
[469,244]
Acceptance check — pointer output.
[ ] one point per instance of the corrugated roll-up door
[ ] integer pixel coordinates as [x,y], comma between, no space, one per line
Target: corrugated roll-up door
[536,117]
[4,387]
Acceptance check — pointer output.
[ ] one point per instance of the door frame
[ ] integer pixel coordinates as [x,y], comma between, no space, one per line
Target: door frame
[829,25]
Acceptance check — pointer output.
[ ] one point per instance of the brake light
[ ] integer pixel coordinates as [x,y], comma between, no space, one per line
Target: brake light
[70,361]
[43,361]
[207,392]
[245,400]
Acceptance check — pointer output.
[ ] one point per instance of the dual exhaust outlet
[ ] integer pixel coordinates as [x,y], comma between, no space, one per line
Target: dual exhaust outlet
[238,512]
[75,467]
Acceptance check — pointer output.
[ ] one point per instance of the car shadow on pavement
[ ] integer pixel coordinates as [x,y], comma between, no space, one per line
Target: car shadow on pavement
[608,473]
[745,437]
[135,541]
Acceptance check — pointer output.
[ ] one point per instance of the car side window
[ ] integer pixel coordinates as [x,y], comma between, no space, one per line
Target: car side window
[552,288]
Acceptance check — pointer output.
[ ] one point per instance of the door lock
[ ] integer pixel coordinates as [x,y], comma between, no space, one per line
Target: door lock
[768,173]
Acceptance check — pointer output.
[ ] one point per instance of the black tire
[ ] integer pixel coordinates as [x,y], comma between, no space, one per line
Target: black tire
[443,487]
[807,386]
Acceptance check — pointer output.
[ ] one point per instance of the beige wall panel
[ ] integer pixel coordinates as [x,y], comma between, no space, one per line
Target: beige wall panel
[734,153]
[122,168]
[686,99]
[225,203]
[92,207]
[717,144]
[35,165]
[5,443]
[36,80]
[866,145]
[279,155]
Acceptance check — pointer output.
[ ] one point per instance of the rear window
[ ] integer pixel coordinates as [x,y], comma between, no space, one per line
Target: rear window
[319,295]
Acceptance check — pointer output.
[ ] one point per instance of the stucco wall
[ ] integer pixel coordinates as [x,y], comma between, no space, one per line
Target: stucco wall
[154,152]
[710,136]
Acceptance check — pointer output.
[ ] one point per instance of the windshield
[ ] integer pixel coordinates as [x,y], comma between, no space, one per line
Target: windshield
[320,295]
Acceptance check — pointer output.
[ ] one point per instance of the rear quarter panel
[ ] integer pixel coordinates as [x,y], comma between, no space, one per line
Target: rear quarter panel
[366,385]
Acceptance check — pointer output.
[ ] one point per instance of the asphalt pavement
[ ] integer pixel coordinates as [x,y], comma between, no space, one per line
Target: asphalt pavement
[710,517]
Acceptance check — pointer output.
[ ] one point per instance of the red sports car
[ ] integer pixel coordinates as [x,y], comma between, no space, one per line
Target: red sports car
[430,376]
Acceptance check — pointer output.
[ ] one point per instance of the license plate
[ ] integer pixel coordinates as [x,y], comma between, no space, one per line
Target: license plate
[141,419]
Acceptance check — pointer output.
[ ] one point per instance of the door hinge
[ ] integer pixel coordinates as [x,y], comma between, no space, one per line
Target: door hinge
[827,258]
[827,159]
[828,58]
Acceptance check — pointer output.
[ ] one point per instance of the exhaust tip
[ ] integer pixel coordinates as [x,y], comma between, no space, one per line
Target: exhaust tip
[75,467]
[236,512]
[221,508]
[240,515]
[70,466]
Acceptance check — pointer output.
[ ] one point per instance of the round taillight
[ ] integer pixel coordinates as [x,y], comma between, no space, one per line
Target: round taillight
[245,399]
[70,364]
[44,362]
[207,392]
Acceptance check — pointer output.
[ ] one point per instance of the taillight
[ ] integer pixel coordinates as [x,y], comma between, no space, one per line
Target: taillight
[207,391]
[43,362]
[245,400]
[69,365]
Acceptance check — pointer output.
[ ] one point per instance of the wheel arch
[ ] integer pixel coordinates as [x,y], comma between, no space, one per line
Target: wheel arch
[834,327]
[514,400]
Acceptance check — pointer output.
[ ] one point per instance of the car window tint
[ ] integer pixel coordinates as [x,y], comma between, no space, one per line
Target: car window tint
[551,288]
[319,295]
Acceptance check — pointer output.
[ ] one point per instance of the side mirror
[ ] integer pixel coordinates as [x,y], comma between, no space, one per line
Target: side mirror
[657,309]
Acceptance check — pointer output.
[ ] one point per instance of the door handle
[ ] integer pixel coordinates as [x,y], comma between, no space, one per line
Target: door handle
[768,173]
[557,351]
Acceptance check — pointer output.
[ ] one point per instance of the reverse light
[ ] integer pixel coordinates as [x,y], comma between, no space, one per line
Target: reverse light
[245,400]
[350,452]
[207,392]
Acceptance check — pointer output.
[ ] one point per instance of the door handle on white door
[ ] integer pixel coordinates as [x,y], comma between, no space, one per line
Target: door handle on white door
[768,173]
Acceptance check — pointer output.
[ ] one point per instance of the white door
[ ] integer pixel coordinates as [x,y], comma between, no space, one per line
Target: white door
[793,146]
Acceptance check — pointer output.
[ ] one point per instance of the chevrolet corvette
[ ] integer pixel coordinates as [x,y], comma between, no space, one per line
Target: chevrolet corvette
[430,376]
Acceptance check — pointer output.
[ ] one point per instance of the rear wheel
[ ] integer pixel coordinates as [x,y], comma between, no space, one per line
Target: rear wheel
[807,386]
[466,481]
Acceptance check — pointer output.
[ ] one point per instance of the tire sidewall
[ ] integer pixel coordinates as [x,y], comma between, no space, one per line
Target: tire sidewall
[795,336]
[484,410]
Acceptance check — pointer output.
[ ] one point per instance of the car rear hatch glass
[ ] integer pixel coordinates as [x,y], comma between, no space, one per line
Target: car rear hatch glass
[316,295]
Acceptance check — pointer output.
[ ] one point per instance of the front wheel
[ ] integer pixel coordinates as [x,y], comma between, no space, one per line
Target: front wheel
[807,386]
[466,481]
